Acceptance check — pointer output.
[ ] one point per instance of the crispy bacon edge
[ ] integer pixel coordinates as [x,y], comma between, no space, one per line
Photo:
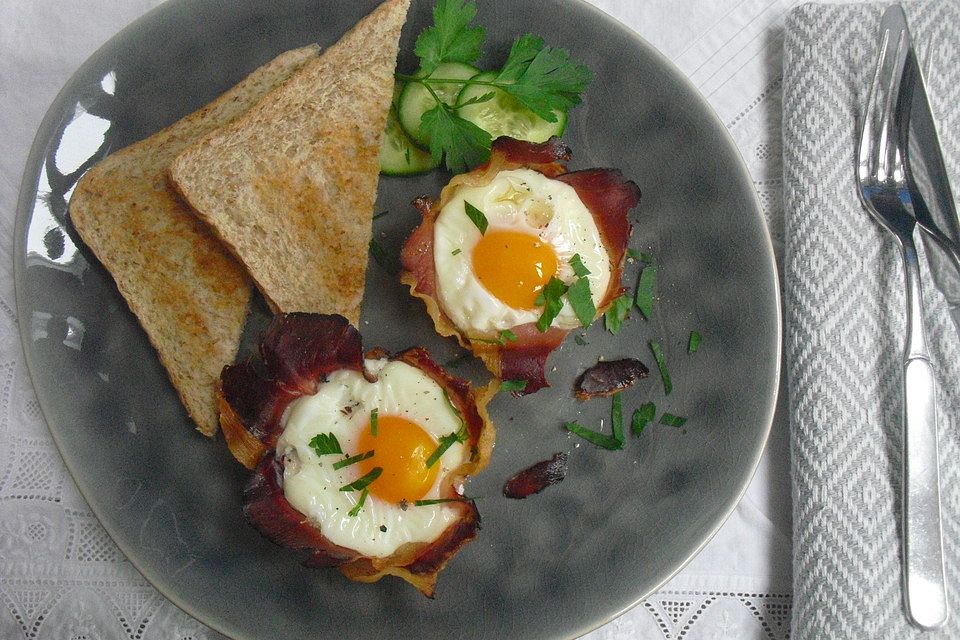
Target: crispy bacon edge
[299,351]
[606,194]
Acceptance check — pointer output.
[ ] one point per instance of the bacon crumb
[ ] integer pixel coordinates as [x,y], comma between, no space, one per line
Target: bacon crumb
[608,377]
[536,478]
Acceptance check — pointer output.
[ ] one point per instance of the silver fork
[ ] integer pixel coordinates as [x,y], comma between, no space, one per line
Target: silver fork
[883,191]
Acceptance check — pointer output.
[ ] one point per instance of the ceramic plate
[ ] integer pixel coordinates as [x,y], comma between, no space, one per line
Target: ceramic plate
[554,565]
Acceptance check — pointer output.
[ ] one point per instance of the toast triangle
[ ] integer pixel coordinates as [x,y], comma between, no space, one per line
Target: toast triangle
[188,292]
[290,186]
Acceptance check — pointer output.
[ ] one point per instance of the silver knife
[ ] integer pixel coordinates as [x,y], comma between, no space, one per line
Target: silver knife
[932,198]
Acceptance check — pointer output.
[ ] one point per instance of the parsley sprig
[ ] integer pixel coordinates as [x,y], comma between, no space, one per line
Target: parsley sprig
[543,79]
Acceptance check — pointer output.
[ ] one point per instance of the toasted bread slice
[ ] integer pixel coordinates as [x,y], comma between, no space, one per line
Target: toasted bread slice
[188,292]
[290,186]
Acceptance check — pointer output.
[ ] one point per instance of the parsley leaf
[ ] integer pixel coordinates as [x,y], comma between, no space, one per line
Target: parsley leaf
[445,443]
[672,421]
[642,417]
[546,82]
[581,301]
[346,462]
[579,269]
[513,385]
[465,144]
[645,286]
[594,437]
[507,336]
[451,38]
[476,217]
[427,503]
[611,442]
[356,508]
[694,343]
[364,481]
[616,418]
[325,444]
[619,309]
[662,365]
[387,262]
[549,298]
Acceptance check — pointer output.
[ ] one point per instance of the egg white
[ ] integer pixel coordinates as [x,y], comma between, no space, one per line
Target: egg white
[342,406]
[571,230]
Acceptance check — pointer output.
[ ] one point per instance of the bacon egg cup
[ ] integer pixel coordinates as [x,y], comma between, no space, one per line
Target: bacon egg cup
[357,458]
[487,255]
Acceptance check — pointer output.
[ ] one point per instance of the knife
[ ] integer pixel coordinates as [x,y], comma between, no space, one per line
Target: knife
[930,193]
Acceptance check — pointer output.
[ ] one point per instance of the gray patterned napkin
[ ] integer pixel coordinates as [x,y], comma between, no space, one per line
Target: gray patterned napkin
[844,300]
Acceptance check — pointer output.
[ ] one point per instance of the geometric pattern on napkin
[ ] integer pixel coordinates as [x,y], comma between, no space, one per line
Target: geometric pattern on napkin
[844,331]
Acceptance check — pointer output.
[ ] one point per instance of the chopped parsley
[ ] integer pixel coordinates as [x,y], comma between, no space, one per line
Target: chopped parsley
[579,294]
[476,217]
[364,481]
[618,311]
[447,441]
[356,508]
[346,462]
[550,300]
[645,286]
[502,338]
[662,366]
[594,437]
[325,444]
[612,442]
[427,503]
[672,421]
[581,301]
[513,385]
[382,258]
[616,417]
[579,269]
[642,417]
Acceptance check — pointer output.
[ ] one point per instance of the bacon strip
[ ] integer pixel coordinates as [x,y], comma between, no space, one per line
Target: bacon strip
[297,352]
[605,193]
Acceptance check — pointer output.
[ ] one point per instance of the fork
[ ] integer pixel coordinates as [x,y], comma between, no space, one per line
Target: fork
[883,190]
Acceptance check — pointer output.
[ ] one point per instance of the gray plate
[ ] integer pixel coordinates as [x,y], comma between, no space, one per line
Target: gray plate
[554,565]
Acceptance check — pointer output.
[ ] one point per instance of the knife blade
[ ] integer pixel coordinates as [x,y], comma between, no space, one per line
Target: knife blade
[929,185]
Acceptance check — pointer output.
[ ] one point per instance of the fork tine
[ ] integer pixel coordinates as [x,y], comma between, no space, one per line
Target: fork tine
[887,152]
[866,152]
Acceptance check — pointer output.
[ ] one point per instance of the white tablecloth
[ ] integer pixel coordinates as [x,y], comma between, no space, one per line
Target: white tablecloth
[61,577]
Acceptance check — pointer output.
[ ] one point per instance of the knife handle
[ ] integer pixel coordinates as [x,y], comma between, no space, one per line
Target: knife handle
[923,572]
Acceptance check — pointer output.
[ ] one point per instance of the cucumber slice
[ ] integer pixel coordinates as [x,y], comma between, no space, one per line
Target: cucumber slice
[504,116]
[399,156]
[416,99]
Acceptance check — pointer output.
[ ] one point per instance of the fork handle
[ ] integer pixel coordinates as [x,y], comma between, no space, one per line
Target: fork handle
[923,572]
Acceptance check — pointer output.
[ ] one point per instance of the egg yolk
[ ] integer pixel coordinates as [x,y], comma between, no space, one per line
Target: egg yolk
[514,266]
[401,449]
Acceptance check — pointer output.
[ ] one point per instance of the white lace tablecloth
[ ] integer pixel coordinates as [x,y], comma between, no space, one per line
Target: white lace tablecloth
[61,577]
